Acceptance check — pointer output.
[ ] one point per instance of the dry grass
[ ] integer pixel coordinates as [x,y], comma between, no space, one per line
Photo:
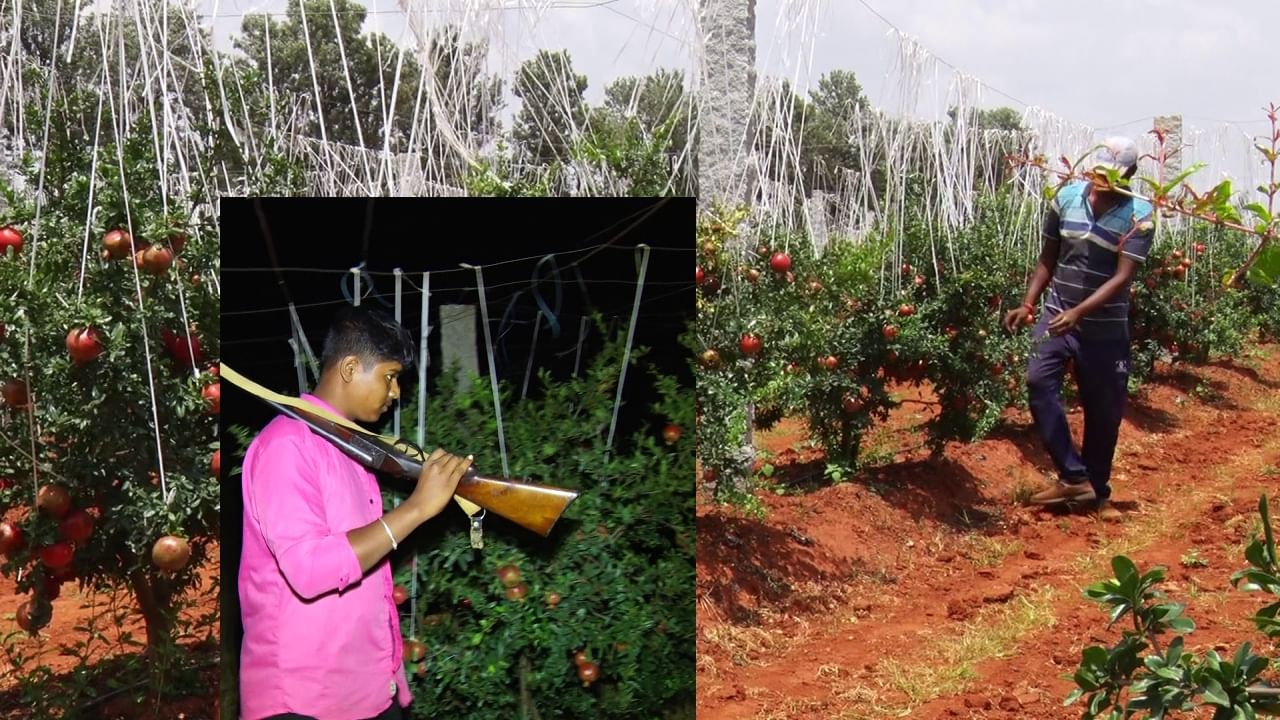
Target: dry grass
[1022,492]
[706,667]
[791,708]
[989,551]
[821,596]
[829,672]
[744,644]
[945,665]
[865,703]
[1139,531]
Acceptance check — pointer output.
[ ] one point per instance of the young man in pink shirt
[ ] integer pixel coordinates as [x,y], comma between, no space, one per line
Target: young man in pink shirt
[321,631]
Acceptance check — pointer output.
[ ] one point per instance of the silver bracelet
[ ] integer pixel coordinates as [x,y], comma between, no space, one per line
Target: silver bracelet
[387,527]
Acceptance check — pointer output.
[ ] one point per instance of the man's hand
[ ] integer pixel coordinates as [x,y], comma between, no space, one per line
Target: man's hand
[1064,322]
[437,482]
[1016,318]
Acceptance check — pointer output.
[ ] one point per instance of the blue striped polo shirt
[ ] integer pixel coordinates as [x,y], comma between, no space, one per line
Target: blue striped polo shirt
[1088,252]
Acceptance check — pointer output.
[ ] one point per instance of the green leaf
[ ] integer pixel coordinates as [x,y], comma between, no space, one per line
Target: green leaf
[1256,554]
[1253,666]
[1242,654]
[1265,511]
[1267,621]
[1123,567]
[1094,656]
[1118,612]
[1265,271]
[1215,695]
[1100,591]
[1260,210]
[1261,580]
[1177,179]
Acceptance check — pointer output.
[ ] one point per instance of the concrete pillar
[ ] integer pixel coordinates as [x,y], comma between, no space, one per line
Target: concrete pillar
[728,89]
[728,86]
[458,342]
[1171,127]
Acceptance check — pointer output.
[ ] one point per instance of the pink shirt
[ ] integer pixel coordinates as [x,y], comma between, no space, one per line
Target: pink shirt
[319,638]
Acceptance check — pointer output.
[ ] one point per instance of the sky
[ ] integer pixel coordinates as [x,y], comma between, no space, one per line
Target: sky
[1110,66]
[1097,63]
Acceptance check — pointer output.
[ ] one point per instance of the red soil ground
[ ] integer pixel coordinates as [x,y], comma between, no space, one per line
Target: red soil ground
[54,648]
[923,588]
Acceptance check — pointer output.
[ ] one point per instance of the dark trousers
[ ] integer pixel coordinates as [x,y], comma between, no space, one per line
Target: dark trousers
[394,712]
[1102,378]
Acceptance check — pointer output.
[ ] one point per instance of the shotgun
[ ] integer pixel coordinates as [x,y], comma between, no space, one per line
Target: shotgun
[529,505]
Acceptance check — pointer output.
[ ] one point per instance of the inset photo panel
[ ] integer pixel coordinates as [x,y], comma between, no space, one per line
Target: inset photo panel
[109,402]
[459,458]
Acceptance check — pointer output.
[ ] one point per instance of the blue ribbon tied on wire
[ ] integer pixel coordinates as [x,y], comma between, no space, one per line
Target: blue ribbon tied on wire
[347,284]
[553,320]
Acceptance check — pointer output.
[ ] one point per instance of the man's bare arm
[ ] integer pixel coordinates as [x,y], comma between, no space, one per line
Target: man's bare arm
[440,475]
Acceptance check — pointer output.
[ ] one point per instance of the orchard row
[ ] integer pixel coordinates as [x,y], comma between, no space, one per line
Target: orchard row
[833,337]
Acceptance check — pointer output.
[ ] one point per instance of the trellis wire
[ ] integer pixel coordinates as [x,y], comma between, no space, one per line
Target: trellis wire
[423,331]
[642,261]
[493,376]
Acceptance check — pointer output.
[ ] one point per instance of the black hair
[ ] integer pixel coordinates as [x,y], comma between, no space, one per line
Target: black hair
[369,334]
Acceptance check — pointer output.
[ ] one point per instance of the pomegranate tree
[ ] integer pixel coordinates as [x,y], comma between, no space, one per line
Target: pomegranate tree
[106,357]
[611,582]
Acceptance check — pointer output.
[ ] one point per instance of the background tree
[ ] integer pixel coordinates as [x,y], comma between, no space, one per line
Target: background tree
[552,107]
[472,96]
[656,100]
[83,78]
[469,97]
[832,126]
[999,133]
[341,79]
[780,117]
[641,133]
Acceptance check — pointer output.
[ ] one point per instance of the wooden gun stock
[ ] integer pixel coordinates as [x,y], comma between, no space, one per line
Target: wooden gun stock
[529,505]
[533,506]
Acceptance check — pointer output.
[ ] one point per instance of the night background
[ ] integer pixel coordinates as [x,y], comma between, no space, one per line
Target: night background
[317,241]
[310,235]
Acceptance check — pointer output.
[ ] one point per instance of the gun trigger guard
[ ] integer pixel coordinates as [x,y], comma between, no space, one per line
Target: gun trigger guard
[409,448]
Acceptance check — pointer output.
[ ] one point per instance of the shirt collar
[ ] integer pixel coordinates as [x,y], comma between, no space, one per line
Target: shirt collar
[321,403]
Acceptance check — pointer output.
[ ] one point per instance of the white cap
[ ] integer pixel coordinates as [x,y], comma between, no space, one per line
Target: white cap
[1117,153]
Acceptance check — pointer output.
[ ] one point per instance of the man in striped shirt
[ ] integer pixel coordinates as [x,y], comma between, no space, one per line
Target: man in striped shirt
[1093,239]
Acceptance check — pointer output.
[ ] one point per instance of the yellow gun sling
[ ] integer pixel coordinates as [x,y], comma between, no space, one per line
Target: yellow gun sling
[254,388]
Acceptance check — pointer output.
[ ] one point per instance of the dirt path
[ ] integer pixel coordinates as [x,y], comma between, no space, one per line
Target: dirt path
[924,589]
